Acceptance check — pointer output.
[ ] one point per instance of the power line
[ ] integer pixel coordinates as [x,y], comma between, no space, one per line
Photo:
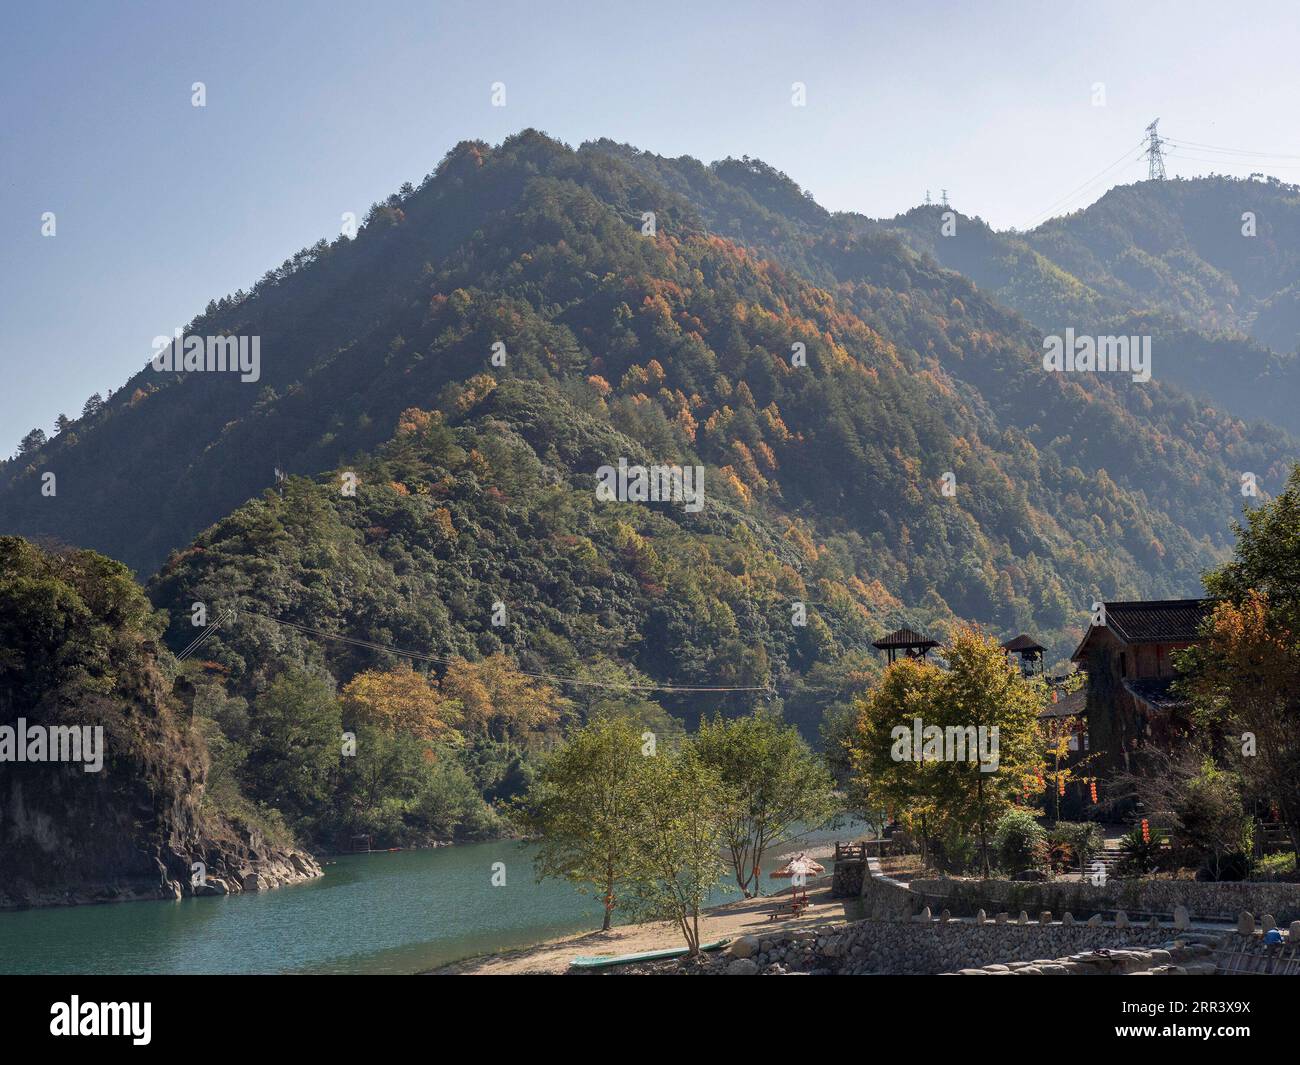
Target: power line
[1228,161]
[1156,149]
[1126,157]
[421,656]
[1180,142]
[194,644]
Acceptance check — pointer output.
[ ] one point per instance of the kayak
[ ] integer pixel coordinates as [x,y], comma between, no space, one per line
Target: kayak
[597,961]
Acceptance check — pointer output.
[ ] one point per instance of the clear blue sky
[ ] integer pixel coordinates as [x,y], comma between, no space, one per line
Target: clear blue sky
[316,109]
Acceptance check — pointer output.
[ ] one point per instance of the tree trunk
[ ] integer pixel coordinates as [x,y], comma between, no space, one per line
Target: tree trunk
[984,842]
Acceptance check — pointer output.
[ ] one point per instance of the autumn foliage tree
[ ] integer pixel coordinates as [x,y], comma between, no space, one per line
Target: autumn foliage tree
[401,700]
[979,690]
[1245,675]
[499,701]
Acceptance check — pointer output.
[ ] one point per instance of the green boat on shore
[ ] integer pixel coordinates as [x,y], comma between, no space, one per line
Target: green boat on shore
[599,961]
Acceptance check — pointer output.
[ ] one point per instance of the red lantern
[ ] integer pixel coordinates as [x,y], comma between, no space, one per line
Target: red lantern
[1060,784]
[1146,831]
[1092,787]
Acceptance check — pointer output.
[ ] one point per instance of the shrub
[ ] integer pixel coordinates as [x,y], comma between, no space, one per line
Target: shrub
[1141,857]
[1080,838]
[1020,842]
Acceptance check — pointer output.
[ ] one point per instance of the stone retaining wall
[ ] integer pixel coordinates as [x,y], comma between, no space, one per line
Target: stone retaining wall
[884,897]
[929,947]
[846,881]
[1222,899]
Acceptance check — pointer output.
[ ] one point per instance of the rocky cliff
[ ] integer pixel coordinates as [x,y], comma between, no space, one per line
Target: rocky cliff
[102,774]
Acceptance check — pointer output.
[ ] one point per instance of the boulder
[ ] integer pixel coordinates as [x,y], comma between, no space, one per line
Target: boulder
[1002,918]
[1023,918]
[742,967]
[1067,919]
[1094,921]
[1267,922]
[1293,935]
[1045,917]
[1121,919]
[1182,918]
[945,916]
[744,947]
[254,882]
[1246,923]
[981,917]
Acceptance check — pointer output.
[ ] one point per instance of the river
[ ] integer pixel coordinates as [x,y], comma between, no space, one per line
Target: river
[400,912]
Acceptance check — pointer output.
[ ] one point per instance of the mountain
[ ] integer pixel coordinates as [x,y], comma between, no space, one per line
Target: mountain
[1181,246]
[677,347]
[1165,258]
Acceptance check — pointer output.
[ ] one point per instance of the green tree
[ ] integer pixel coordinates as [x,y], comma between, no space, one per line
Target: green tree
[585,805]
[903,788]
[980,702]
[677,841]
[1266,558]
[33,441]
[982,688]
[296,744]
[1245,677]
[772,783]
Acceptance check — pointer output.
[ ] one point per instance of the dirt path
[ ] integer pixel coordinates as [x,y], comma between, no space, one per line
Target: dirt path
[742,917]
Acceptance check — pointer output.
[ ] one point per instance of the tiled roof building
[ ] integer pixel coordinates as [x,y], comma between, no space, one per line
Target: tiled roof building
[1133,697]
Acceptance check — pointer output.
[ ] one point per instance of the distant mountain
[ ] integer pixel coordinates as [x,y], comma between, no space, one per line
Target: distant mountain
[824,480]
[1168,257]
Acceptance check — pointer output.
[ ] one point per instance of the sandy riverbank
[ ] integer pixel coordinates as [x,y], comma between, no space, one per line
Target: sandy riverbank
[742,917]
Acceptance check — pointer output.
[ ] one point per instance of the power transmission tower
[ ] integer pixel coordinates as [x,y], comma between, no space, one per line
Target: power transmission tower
[927,197]
[1155,161]
[944,194]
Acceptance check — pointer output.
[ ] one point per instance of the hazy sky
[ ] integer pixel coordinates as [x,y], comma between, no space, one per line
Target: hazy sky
[314,109]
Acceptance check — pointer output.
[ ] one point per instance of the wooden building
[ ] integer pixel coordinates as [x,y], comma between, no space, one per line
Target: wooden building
[1131,697]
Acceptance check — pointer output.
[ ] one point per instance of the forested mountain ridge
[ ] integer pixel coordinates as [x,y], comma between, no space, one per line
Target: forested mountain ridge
[1166,258]
[1067,487]
[879,441]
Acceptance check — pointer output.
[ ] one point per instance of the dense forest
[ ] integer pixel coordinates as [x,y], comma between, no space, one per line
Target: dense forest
[79,649]
[1207,267]
[881,446]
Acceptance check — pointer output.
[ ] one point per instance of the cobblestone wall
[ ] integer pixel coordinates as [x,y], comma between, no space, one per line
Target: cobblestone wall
[1224,899]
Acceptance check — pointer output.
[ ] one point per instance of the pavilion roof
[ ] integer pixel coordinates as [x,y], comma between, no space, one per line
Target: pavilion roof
[1023,643]
[904,638]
